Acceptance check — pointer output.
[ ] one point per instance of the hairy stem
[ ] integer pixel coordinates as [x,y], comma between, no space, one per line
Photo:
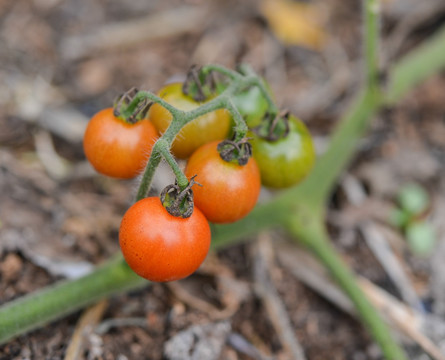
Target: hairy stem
[240,125]
[142,95]
[150,169]
[259,82]
[181,179]
[233,75]
[255,80]
[272,107]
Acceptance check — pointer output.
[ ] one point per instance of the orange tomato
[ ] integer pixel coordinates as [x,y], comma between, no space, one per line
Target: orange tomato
[116,148]
[229,191]
[162,247]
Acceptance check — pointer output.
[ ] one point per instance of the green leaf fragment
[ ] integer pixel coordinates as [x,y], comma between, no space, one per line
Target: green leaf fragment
[421,238]
[413,199]
[399,218]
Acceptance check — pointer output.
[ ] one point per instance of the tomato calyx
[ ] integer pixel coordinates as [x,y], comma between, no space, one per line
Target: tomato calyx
[273,128]
[179,202]
[199,86]
[239,151]
[125,108]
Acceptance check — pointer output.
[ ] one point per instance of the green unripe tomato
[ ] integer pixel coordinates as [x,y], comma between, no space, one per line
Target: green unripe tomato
[288,160]
[252,105]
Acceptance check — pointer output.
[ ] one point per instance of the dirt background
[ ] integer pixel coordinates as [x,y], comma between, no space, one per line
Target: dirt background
[62,61]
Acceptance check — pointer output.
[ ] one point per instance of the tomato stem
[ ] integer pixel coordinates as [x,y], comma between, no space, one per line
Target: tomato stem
[143,95]
[233,75]
[147,177]
[256,80]
[161,149]
[240,128]
[164,149]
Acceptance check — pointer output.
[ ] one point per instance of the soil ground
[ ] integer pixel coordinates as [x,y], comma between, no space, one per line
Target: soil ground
[62,61]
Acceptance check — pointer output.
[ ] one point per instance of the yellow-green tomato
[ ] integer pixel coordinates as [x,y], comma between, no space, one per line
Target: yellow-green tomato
[204,129]
[287,161]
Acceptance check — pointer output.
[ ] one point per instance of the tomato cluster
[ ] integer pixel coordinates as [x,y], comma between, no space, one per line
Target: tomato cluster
[161,245]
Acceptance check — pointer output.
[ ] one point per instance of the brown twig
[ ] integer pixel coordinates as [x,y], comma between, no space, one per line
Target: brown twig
[134,32]
[380,247]
[84,328]
[400,316]
[265,290]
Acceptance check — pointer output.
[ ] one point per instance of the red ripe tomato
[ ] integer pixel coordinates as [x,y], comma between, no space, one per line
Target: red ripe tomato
[162,247]
[229,191]
[209,127]
[116,148]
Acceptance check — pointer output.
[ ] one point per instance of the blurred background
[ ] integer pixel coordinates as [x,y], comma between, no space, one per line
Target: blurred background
[62,61]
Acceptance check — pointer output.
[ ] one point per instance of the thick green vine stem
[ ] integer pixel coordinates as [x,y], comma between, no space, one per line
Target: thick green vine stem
[311,231]
[39,308]
[290,209]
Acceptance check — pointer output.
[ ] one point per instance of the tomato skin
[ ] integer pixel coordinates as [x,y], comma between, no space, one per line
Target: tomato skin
[252,105]
[161,247]
[116,148]
[209,127]
[287,161]
[229,191]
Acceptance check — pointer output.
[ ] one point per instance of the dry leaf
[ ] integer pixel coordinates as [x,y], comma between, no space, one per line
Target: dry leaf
[295,23]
